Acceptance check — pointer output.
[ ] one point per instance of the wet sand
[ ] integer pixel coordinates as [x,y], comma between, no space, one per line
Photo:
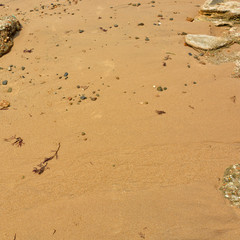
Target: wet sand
[123,171]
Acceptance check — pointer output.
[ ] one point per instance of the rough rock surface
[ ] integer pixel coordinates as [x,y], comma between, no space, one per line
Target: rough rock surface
[221,10]
[206,42]
[8,27]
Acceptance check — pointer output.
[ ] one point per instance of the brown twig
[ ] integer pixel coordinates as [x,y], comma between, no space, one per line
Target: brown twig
[43,165]
[15,237]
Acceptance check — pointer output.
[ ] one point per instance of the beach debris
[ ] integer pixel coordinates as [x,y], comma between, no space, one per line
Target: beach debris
[18,141]
[160,112]
[233,98]
[28,50]
[4,105]
[9,25]
[207,42]
[43,165]
[231,184]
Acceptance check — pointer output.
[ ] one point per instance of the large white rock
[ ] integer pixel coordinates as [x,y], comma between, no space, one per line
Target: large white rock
[206,42]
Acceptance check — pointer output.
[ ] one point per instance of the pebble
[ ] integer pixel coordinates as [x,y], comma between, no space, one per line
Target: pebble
[5,82]
[9,68]
[83,97]
[147,39]
[81,31]
[115,25]
[4,104]
[23,68]
[141,24]
[10,89]
[65,74]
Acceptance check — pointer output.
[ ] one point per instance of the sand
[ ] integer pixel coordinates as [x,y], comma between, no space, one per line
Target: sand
[123,171]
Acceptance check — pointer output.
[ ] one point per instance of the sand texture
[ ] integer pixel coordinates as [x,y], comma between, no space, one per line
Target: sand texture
[145,125]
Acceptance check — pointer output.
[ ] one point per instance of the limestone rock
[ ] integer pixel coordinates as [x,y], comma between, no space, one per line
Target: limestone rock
[8,27]
[206,42]
[221,10]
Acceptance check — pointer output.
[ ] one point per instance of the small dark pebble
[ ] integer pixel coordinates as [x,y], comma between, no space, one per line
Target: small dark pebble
[147,39]
[93,98]
[23,68]
[5,82]
[190,54]
[65,74]
[141,24]
[115,25]
[78,86]
[171,19]
[81,31]
[160,89]
[160,112]
[10,89]
[83,97]
[194,82]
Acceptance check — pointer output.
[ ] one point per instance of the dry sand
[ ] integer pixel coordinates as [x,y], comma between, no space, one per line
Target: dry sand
[135,174]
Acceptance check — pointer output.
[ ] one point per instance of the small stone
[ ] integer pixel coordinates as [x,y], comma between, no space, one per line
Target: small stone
[81,31]
[9,68]
[65,74]
[5,82]
[160,89]
[4,104]
[115,25]
[10,89]
[147,39]
[83,97]
[194,82]
[171,19]
[160,15]
[23,68]
[78,86]
[141,24]
[93,98]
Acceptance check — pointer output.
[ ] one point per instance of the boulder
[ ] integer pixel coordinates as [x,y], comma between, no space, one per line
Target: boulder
[8,27]
[206,42]
[221,10]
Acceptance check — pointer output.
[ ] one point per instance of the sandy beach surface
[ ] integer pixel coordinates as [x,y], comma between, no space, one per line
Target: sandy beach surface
[134,162]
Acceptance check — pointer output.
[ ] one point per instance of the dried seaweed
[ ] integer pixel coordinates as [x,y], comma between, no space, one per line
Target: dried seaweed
[18,141]
[43,165]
